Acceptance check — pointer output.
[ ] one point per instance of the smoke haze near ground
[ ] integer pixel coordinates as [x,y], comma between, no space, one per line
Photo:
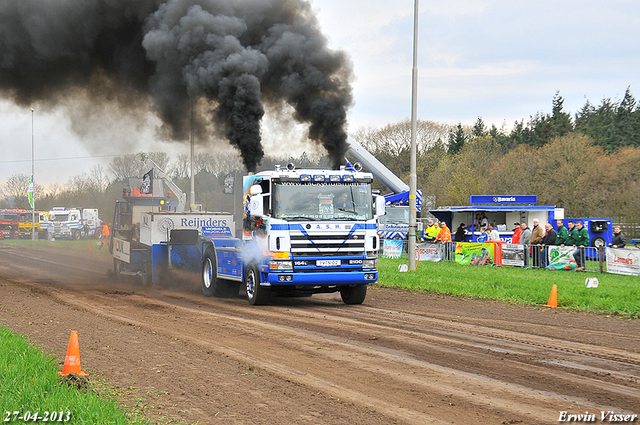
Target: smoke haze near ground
[223,60]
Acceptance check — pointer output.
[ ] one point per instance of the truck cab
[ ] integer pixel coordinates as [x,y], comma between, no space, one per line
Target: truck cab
[26,223]
[304,232]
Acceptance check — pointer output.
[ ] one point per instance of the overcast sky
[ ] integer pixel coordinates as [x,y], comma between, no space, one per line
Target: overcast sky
[500,60]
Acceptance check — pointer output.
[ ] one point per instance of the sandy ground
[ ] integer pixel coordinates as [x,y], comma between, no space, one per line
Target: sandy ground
[400,358]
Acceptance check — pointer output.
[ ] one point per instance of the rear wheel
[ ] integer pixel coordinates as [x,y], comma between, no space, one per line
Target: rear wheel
[353,294]
[117,268]
[598,241]
[147,276]
[211,285]
[209,273]
[256,294]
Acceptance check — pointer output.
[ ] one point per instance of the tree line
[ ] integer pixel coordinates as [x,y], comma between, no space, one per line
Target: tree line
[587,164]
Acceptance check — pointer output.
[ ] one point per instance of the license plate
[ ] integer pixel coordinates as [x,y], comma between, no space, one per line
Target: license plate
[327,263]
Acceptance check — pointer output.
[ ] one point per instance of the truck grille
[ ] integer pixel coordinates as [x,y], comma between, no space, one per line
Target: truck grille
[327,245]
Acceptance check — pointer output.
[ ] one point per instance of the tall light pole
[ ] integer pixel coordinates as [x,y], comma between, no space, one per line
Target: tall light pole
[413,228]
[32,186]
[193,189]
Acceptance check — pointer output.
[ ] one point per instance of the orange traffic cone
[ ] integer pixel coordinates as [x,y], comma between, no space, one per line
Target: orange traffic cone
[72,360]
[89,246]
[553,298]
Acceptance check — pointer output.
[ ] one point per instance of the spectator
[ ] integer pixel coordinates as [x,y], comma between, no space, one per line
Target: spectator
[525,239]
[478,220]
[483,236]
[548,239]
[460,233]
[619,239]
[581,241]
[444,235]
[431,232]
[571,234]
[562,233]
[536,237]
[516,233]
[493,233]
[484,221]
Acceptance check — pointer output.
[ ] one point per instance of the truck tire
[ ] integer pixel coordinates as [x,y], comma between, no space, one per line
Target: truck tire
[209,273]
[353,294]
[76,235]
[117,268]
[256,294]
[147,275]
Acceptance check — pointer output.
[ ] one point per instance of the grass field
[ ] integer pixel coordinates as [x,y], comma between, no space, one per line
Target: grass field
[616,294]
[29,385]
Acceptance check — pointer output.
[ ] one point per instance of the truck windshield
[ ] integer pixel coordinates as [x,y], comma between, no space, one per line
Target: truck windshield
[322,201]
[59,217]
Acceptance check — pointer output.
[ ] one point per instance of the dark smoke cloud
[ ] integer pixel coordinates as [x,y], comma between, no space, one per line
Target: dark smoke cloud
[223,60]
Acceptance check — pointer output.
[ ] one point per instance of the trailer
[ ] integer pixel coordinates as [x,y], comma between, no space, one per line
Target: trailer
[506,210]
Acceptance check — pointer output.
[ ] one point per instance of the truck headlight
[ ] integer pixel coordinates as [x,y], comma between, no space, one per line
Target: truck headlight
[368,264]
[280,265]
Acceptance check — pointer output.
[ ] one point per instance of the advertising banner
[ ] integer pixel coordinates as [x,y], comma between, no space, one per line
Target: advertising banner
[623,261]
[513,255]
[475,254]
[561,258]
[392,249]
[428,252]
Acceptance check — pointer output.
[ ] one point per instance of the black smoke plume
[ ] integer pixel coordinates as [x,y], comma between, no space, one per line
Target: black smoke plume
[196,62]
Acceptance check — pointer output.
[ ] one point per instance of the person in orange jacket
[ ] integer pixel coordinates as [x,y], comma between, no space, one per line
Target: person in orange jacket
[105,235]
[445,234]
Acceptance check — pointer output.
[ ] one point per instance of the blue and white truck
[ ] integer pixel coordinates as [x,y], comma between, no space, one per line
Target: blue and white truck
[74,223]
[304,232]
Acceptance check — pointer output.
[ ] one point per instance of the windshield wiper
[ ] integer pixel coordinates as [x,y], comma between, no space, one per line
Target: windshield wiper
[299,217]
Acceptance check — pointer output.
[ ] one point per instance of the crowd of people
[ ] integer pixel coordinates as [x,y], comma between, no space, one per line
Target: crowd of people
[537,239]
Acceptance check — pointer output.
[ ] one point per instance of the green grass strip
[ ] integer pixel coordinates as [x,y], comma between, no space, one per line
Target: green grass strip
[29,382]
[616,294]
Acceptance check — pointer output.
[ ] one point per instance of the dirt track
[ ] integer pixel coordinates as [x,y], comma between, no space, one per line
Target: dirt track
[401,358]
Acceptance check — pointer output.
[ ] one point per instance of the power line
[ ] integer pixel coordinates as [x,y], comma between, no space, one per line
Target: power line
[58,159]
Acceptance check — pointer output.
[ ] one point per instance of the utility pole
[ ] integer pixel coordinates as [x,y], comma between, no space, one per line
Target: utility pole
[32,183]
[413,228]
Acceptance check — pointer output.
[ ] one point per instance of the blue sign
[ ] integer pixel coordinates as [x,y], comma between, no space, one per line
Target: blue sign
[503,199]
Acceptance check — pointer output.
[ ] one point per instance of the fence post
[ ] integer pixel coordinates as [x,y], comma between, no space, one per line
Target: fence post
[601,258]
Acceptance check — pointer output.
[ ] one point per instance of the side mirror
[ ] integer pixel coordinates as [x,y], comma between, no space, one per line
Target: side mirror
[379,208]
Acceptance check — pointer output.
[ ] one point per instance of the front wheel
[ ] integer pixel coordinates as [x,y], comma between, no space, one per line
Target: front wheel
[353,294]
[76,235]
[256,294]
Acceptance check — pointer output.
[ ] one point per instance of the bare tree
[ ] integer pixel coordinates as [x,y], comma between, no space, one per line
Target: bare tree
[131,165]
[16,191]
